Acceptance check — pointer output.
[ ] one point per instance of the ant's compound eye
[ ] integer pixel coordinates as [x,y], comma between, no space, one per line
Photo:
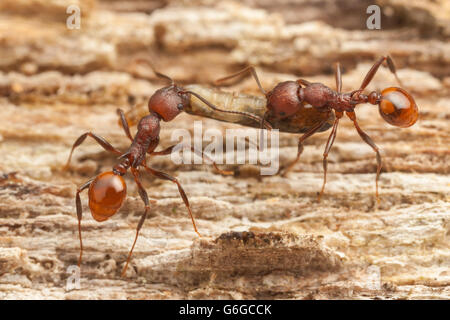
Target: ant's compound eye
[397,107]
[180,106]
[106,195]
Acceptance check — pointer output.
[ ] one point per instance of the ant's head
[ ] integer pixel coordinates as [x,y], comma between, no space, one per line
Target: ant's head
[284,100]
[168,102]
[106,195]
[396,106]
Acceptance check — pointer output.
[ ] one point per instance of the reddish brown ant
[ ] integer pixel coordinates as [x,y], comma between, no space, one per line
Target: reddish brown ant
[396,106]
[107,191]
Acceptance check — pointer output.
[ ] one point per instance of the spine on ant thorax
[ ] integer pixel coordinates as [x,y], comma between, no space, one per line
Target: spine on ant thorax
[145,140]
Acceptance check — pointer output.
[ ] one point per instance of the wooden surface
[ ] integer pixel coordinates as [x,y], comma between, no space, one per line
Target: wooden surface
[262,237]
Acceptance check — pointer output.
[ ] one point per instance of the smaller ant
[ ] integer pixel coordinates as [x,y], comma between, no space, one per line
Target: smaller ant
[107,191]
[396,106]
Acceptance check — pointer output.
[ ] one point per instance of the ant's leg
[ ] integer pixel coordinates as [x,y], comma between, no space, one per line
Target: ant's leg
[169,150]
[165,176]
[392,68]
[327,150]
[101,141]
[374,69]
[251,143]
[144,197]
[209,104]
[369,141]
[252,71]
[261,127]
[124,122]
[338,77]
[306,135]
[80,215]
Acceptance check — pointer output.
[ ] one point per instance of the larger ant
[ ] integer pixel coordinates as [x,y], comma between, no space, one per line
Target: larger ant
[107,191]
[396,106]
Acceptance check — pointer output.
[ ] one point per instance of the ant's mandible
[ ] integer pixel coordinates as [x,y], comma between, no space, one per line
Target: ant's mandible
[396,106]
[107,191]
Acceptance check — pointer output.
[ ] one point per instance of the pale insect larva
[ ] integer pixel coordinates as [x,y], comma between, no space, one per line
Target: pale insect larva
[227,101]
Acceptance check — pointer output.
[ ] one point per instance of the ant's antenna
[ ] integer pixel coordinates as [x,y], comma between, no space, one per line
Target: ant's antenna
[157,73]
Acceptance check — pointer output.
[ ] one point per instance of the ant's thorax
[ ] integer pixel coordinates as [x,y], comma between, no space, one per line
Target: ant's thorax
[145,141]
[323,97]
[342,102]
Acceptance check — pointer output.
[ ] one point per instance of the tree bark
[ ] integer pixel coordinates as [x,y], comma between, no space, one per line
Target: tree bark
[263,237]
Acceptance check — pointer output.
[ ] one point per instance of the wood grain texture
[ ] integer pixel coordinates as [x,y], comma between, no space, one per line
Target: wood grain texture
[263,237]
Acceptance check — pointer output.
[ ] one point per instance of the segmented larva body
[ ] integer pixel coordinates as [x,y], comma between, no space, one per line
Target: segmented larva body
[230,101]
